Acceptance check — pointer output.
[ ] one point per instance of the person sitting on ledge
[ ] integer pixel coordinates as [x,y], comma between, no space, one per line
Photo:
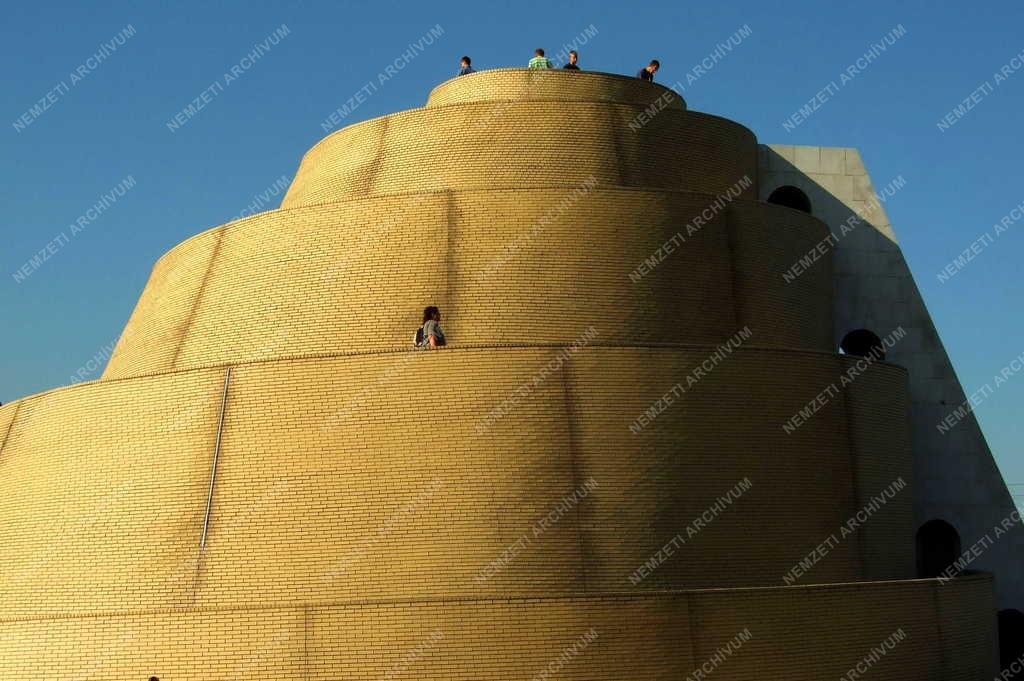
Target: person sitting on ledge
[573,58]
[430,335]
[464,66]
[647,72]
[539,61]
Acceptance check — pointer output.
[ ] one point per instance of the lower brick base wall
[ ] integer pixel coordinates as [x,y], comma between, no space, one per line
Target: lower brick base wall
[913,630]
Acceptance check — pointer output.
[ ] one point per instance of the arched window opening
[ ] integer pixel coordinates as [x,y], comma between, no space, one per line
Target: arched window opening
[938,548]
[1011,643]
[862,343]
[791,197]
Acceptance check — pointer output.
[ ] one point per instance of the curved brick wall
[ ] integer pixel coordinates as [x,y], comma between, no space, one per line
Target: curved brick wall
[526,144]
[259,489]
[510,266]
[800,634]
[384,483]
[557,86]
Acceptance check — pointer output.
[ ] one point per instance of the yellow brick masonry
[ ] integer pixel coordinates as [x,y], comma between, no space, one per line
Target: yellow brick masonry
[516,85]
[528,144]
[504,266]
[432,532]
[352,502]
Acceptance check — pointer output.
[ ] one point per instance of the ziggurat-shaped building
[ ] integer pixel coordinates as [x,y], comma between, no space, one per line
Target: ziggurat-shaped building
[594,480]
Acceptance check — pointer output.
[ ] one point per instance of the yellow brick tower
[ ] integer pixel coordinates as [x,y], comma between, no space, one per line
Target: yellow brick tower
[598,478]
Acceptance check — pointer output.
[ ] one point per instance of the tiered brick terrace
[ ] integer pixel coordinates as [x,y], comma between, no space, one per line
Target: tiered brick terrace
[267,483]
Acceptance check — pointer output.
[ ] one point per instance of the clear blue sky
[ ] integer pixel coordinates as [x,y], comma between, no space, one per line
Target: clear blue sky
[112,123]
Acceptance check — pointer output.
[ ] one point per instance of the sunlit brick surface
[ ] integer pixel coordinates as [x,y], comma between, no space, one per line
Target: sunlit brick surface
[354,276]
[804,634]
[269,484]
[515,85]
[526,144]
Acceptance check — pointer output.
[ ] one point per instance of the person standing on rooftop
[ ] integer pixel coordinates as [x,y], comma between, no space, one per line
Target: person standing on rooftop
[464,66]
[573,58]
[647,72]
[539,61]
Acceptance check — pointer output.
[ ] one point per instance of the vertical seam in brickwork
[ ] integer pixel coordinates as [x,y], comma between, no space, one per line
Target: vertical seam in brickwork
[194,589]
[305,642]
[691,613]
[10,426]
[187,325]
[620,162]
[375,164]
[854,479]
[938,630]
[570,416]
[738,315]
[449,258]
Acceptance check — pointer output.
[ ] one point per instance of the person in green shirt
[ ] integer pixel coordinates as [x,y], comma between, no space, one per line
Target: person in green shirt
[539,61]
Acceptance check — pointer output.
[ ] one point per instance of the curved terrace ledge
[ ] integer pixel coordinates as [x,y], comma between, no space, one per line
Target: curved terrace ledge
[554,85]
[526,144]
[799,634]
[296,433]
[271,284]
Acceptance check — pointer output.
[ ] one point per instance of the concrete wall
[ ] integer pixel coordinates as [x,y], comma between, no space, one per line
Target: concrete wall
[955,477]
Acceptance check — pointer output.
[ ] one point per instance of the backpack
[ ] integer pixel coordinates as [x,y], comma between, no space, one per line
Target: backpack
[421,342]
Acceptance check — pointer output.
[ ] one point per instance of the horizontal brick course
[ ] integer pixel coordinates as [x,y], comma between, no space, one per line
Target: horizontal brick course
[268,484]
[797,634]
[510,266]
[383,480]
[526,144]
[556,86]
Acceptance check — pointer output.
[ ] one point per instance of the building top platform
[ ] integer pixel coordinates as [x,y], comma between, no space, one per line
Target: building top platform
[559,85]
